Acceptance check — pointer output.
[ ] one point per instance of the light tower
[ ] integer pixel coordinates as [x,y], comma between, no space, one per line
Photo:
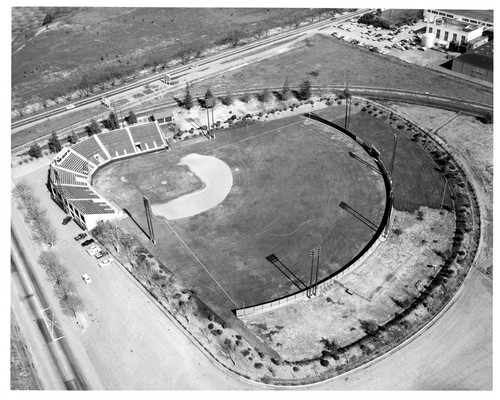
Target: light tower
[348,102]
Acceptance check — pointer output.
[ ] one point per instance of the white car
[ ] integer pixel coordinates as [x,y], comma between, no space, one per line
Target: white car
[94,250]
[70,106]
[86,278]
[107,261]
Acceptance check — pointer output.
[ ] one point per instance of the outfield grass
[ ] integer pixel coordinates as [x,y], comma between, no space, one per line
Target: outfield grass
[416,182]
[289,177]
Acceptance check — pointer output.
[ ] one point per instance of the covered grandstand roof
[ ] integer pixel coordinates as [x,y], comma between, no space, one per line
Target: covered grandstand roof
[92,207]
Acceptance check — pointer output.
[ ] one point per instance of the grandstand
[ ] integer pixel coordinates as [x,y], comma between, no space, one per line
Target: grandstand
[147,136]
[74,162]
[91,149]
[118,143]
[71,170]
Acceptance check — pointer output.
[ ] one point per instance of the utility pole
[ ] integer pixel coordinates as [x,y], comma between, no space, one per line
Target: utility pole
[393,153]
[348,102]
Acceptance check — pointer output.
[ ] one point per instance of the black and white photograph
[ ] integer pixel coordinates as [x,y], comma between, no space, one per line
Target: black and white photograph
[225,196]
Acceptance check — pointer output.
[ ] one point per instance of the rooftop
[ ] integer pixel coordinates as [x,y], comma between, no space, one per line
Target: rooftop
[481,15]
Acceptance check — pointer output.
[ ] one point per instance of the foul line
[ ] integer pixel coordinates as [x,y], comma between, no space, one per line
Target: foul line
[260,134]
[197,259]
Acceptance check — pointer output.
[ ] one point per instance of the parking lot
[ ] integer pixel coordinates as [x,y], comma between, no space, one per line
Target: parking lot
[402,43]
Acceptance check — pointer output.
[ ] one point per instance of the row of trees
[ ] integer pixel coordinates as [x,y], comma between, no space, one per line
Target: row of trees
[111,123]
[35,215]
[145,268]
[303,93]
[64,287]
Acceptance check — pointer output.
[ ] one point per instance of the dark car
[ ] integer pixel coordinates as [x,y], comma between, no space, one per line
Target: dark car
[66,220]
[87,242]
[80,236]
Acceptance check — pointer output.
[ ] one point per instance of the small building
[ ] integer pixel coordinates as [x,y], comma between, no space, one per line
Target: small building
[477,63]
[163,117]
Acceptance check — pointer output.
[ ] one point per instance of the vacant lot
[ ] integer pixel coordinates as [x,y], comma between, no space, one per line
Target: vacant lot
[289,177]
[51,59]
[326,60]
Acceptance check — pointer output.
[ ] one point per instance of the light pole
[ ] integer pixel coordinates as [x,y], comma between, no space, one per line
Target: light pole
[348,101]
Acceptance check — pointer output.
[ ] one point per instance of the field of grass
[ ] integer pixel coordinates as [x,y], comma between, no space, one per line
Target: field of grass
[289,177]
[338,62]
[416,182]
[58,57]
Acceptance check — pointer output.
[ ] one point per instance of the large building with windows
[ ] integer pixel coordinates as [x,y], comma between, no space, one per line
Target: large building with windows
[482,18]
[449,31]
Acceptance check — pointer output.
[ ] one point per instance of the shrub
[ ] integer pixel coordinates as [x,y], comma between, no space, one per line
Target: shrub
[397,231]
[210,326]
[245,352]
[296,369]
[211,317]
[324,363]
[258,365]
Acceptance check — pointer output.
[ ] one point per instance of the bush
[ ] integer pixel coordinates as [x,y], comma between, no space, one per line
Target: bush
[324,363]
[258,365]
[296,369]
[211,317]
[210,326]
[397,231]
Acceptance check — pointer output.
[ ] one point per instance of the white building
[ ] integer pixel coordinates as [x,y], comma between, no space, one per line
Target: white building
[449,30]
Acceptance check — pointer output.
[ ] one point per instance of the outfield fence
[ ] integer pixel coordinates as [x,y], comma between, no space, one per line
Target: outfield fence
[360,258]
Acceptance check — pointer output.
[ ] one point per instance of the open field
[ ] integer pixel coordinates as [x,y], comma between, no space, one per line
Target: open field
[122,38]
[289,177]
[338,62]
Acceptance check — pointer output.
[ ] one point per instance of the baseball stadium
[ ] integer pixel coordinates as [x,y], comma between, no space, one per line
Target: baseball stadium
[267,213]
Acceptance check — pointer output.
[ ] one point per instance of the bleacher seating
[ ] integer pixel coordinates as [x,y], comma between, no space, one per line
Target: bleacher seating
[147,135]
[88,148]
[67,178]
[75,163]
[117,143]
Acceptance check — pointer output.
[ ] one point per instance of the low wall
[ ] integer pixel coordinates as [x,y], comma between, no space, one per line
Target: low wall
[380,236]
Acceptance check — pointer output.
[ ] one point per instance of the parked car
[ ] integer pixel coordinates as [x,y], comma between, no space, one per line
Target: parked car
[70,106]
[87,242]
[66,220]
[107,261]
[80,236]
[101,254]
[86,278]
[93,250]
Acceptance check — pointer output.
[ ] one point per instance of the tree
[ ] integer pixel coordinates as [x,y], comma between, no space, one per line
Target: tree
[227,349]
[113,121]
[49,17]
[305,89]
[35,150]
[56,273]
[228,99]
[64,289]
[209,99]
[167,286]
[286,93]
[23,192]
[188,99]
[246,97]
[109,232]
[330,345]
[132,119]
[72,137]
[93,128]
[266,96]
[72,304]
[47,234]
[48,258]
[54,143]
[369,327]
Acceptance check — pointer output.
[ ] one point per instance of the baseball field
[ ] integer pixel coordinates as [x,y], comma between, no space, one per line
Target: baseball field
[289,177]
